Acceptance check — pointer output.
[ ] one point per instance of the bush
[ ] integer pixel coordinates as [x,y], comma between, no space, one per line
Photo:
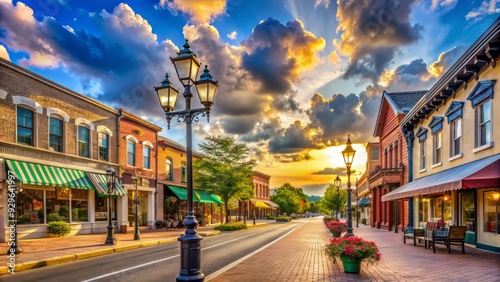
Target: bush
[231,226]
[54,217]
[283,218]
[59,228]
[64,211]
[270,216]
[24,219]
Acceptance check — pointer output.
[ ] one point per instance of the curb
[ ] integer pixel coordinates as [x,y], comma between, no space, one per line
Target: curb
[90,254]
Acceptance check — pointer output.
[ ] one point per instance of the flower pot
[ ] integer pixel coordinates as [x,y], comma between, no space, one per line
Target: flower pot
[351,264]
[335,234]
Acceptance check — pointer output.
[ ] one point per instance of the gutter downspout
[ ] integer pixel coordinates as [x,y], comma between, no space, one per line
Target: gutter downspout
[410,137]
[123,229]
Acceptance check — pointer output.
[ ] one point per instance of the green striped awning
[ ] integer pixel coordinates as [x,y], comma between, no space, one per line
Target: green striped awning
[217,199]
[181,193]
[101,186]
[45,175]
[199,196]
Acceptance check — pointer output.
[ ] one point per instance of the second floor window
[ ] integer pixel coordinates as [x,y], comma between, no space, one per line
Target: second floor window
[25,126]
[169,174]
[56,134]
[146,161]
[422,154]
[437,148]
[83,142]
[184,172]
[103,146]
[456,137]
[130,153]
[483,124]
[375,154]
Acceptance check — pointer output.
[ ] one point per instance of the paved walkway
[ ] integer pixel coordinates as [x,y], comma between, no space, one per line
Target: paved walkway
[300,256]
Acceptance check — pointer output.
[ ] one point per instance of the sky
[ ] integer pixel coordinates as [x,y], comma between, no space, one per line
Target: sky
[296,77]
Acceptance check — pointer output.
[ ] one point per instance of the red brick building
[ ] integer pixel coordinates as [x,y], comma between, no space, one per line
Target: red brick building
[392,172]
[137,152]
[261,204]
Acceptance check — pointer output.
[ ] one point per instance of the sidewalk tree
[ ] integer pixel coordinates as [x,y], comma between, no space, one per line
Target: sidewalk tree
[289,198]
[330,199]
[225,169]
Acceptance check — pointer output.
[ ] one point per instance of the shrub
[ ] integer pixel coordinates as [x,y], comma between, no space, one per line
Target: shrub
[282,218]
[270,216]
[54,217]
[24,219]
[60,228]
[231,226]
[64,211]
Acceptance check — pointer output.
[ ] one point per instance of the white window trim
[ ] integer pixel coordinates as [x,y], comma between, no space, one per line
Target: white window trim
[35,125]
[78,140]
[147,143]
[436,165]
[98,146]
[452,139]
[3,94]
[21,100]
[456,157]
[484,147]
[134,140]
[477,124]
[150,149]
[61,113]
[102,128]
[79,121]
[423,146]
[63,131]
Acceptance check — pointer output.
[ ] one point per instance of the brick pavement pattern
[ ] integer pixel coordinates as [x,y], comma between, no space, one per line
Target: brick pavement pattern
[300,256]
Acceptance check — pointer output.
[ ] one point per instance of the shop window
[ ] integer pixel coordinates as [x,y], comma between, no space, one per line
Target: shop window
[83,142]
[25,126]
[79,205]
[103,146]
[58,202]
[169,173]
[184,172]
[56,134]
[468,211]
[492,212]
[423,212]
[101,208]
[30,208]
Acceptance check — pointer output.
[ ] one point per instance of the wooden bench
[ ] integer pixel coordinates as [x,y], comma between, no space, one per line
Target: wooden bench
[415,234]
[429,228]
[454,236]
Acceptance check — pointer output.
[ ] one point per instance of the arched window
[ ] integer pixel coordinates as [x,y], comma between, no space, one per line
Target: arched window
[56,136]
[169,169]
[83,141]
[103,146]
[131,152]
[25,126]
[184,172]
[146,157]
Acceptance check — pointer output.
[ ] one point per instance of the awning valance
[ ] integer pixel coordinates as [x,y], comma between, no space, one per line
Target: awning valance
[261,204]
[45,175]
[271,204]
[198,195]
[101,186]
[364,202]
[217,199]
[482,173]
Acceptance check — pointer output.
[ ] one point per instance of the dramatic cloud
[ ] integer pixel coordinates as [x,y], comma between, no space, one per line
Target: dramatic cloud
[276,54]
[294,139]
[233,35]
[372,33]
[201,11]
[3,53]
[486,8]
[442,3]
[331,170]
[293,158]
[446,60]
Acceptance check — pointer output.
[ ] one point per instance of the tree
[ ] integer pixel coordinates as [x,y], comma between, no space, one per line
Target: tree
[289,198]
[330,199]
[225,169]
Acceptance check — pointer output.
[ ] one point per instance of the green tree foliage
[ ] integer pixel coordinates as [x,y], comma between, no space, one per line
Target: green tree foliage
[225,169]
[330,201]
[289,198]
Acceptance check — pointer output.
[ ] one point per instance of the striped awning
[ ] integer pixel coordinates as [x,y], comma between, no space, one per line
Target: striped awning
[260,204]
[45,175]
[100,184]
[273,205]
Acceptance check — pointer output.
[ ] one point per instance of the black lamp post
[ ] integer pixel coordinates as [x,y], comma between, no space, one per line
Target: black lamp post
[187,66]
[14,247]
[337,182]
[136,202]
[348,154]
[357,205]
[111,181]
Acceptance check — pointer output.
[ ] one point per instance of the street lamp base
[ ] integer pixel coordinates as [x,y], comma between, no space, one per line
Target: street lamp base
[190,258]
[110,239]
[17,250]
[137,236]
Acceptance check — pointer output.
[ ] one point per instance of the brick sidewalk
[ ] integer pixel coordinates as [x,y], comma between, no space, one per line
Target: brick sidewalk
[300,256]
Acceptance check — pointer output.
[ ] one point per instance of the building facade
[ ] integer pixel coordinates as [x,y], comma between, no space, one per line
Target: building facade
[261,205]
[59,144]
[364,195]
[137,153]
[455,152]
[393,170]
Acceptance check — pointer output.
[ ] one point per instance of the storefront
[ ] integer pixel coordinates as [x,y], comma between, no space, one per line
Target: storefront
[49,192]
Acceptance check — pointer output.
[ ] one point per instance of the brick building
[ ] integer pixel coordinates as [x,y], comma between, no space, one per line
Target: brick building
[364,195]
[137,153]
[261,204]
[59,144]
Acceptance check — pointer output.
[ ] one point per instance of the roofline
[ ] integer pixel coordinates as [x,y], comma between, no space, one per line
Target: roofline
[260,174]
[57,86]
[139,120]
[393,106]
[177,146]
[458,66]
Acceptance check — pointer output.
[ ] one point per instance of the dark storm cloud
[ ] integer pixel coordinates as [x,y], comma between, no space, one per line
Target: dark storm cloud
[372,32]
[293,158]
[293,140]
[334,171]
[263,132]
[416,67]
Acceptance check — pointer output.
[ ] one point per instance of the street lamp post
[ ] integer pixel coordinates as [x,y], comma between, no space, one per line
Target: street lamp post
[357,204]
[187,66]
[348,154]
[14,187]
[136,202]
[111,181]
[337,182]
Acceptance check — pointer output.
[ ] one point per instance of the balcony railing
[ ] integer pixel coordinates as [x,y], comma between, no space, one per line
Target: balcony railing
[379,172]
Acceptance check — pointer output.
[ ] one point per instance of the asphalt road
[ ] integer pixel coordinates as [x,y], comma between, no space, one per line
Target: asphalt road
[161,263]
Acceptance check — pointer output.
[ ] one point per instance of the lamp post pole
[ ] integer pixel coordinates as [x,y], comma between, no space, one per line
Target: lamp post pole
[337,183]
[348,154]
[137,234]
[14,187]
[111,180]
[187,66]
[357,204]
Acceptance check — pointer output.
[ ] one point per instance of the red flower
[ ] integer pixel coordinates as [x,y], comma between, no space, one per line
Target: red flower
[355,247]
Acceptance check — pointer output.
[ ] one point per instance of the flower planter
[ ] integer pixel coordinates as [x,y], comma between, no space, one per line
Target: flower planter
[335,234]
[351,264]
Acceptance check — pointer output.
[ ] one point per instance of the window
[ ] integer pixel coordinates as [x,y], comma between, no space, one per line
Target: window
[422,155]
[103,146]
[437,148]
[422,137]
[184,172]
[483,126]
[83,142]
[375,154]
[456,137]
[169,174]
[491,212]
[130,153]
[396,159]
[56,134]
[25,126]
[146,160]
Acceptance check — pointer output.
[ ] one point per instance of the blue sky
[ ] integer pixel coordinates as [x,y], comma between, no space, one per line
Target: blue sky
[296,76]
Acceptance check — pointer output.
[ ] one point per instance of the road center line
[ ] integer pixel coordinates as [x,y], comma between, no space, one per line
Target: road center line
[164,259]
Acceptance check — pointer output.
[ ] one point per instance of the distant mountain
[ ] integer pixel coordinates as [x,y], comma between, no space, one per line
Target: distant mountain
[314,198]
